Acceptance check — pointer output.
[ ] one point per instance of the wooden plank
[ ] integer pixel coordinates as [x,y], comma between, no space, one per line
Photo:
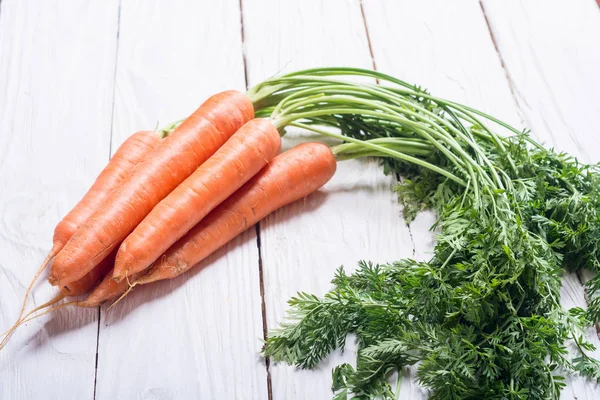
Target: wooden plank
[551,53]
[453,60]
[356,215]
[56,79]
[196,336]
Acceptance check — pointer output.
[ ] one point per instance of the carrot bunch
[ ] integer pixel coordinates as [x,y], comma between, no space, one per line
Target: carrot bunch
[165,202]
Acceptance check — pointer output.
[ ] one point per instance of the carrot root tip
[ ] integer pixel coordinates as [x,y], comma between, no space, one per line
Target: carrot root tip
[20,318]
[131,286]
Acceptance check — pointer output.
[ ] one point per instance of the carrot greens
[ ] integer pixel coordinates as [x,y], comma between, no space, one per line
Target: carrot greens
[482,318]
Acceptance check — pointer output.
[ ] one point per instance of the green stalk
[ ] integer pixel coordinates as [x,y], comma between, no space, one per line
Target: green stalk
[390,115]
[390,142]
[470,163]
[358,94]
[389,152]
[166,131]
[316,73]
[343,152]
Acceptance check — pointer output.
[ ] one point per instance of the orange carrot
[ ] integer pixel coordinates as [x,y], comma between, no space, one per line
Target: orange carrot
[289,177]
[90,280]
[240,158]
[82,286]
[121,164]
[176,158]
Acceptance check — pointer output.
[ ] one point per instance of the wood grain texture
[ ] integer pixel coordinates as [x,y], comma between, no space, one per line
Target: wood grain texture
[355,216]
[56,79]
[552,55]
[196,336]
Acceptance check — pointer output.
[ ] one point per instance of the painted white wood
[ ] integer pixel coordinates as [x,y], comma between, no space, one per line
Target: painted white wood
[356,215]
[56,80]
[452,60]
[552,55]
[197,336]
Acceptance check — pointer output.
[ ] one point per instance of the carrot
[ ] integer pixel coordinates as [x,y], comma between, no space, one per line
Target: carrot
[240,158]
[91,279]
[121,164]
[289,177]
[177,156]
[107,290]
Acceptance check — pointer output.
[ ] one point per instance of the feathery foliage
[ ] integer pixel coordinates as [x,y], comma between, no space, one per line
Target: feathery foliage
[482,318]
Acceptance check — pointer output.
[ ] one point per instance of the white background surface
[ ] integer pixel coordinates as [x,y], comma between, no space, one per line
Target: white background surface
[77,77]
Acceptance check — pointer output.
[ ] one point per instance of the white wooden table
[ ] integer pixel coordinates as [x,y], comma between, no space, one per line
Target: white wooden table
[77,77]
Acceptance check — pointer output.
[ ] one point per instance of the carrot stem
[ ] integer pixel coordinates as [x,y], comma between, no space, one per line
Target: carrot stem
[384,150]
[166,131]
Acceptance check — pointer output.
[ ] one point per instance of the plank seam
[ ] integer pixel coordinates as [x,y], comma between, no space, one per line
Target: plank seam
[243,44]
[112,121]
[112,114]
[97,347]
[263,307]
[507,75]
[261,281]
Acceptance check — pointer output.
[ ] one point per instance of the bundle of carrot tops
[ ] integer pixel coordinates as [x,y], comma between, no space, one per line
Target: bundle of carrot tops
[481,319]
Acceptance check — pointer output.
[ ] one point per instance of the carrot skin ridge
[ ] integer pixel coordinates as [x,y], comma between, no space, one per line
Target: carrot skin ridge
[291,176]
[173,160]
[254,145]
